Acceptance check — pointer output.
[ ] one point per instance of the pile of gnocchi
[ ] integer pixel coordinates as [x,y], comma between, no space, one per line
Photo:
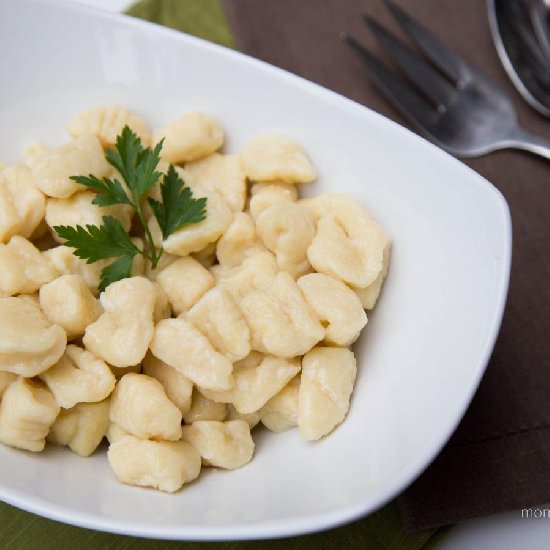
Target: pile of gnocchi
[247,319]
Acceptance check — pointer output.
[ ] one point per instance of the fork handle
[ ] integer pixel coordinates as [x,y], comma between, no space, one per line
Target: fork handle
[526,141]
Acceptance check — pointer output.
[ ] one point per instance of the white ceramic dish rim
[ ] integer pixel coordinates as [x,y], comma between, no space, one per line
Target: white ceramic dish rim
[320,521]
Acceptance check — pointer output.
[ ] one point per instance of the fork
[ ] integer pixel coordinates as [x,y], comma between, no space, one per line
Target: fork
[447,100]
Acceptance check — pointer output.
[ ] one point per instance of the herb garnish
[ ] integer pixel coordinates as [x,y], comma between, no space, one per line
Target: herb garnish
[138,167]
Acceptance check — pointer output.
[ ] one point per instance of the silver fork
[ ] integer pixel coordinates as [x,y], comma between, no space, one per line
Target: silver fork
[446,100]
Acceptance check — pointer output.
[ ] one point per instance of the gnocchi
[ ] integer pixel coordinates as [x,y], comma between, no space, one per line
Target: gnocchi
[68,302]
[22,204]
[163,465]
[27,411]
[328,376]
[81,428]
[23,268]
[79,377]
[242,319]
[29,343]
[140,406]
[191,137]
[226,445]
[52,169]
[123,332]
[270,157]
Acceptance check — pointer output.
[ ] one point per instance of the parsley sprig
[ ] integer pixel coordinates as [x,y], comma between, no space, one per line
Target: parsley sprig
[138,167]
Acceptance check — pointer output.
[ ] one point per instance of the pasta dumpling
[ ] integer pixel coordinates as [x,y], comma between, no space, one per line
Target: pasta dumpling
[220,173]
[22,205]
[68,302]
[178,388]
[81,428]
[179,344]
[140,406]
[286,229]
[122,333]
[27,411]
[191,137]
[217,316]
[270,157]
[222,444]
[335,304]
[238,242]
[23,268]
[107,122]
[29,343]
[281,322]
[79,377]
[163,465]
[53,168]
[328,377]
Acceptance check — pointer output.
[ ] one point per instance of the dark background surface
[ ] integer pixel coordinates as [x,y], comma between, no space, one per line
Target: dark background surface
[499,457]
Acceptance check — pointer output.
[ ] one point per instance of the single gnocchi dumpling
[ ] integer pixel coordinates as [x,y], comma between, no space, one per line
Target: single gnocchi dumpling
[369,296]
[123,332]
[140,406]
[286,229]
[255,386]
[79,377]
[81,428]
[328,377]
[280,320]
[348,245]
[203,408]
[163,465]
[22,205]
[217,316]
[184,281]
[223,174]
[23,268]
[191,137]
[256,273]
[265,195]
[27,411]
[179,344]
[52,170]
[195,237]
[29,343]
[68,302]
[336,305]
[79,210]
[238,242]
[226,445]
[280,413]
[106,123]
[270,157]
[178,388]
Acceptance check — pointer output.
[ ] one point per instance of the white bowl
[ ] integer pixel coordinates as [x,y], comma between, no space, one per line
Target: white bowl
[425,347]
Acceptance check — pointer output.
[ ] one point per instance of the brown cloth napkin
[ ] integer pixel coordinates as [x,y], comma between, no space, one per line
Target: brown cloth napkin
[499,457]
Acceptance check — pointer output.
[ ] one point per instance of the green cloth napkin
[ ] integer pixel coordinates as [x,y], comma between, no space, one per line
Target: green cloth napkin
[380,531]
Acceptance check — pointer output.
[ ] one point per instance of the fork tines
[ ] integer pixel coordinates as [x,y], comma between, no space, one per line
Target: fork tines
[438,81]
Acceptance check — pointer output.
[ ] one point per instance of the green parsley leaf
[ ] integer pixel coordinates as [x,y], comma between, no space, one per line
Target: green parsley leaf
[136,165]
[94,243]
[178,207]
[108,191]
